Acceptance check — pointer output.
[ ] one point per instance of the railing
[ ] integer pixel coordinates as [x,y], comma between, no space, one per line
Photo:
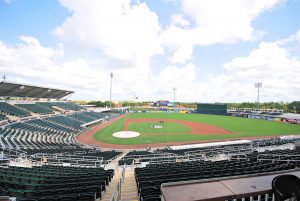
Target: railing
[92,122]
[149,156]
[154,158]
[72,160]
[278,157]
[289,146]
[116,195]
[240,156]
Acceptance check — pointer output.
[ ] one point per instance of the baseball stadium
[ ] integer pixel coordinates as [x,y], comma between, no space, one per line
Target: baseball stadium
[55,149]
[150,100]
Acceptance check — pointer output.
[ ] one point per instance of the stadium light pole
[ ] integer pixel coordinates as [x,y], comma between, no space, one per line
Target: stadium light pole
[174,90]
[258,85]
[111,77]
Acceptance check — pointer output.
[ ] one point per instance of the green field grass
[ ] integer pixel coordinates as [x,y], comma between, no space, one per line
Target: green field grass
[170,127]
[240,128]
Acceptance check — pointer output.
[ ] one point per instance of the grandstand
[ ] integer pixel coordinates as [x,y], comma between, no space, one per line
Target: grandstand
[42,159]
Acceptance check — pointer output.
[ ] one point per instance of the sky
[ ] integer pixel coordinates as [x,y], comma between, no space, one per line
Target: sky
[208,50]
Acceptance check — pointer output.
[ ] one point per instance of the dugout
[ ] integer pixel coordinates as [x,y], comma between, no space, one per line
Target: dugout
[206,108]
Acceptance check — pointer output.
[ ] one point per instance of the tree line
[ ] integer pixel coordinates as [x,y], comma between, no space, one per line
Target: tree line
[293,107]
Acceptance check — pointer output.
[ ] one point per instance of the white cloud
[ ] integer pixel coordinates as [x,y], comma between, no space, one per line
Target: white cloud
[173,76]
[215,21]
[182,54]
[123,37]
[118,28]
[32,63]
[271,64]
[178,19]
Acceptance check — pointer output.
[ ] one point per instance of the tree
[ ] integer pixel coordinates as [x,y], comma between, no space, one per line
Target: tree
[294,107]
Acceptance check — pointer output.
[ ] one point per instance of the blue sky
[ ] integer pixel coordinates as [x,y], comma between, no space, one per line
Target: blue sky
[210,50]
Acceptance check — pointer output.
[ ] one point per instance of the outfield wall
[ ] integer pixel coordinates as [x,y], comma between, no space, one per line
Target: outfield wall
[216,109]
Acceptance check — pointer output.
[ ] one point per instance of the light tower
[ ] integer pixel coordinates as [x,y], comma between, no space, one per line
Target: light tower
[111,77]
[258,85]
[174,91]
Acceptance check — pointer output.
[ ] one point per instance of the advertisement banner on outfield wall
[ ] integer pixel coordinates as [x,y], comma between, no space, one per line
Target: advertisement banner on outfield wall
[263,117]
[277,119]
[250,116]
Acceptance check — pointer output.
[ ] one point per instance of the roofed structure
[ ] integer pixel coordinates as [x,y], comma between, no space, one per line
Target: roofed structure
[10,89]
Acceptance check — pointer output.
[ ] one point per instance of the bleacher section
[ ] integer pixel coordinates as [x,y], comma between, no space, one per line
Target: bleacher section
[36,108]
[54,183]
[86,117]
[63,105]
[43,132]
[49,125]
[12,110]
[152,176]
[95,115]
[68,122]
[39,137]
[69,106]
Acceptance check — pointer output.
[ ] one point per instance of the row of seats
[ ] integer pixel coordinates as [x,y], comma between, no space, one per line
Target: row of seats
[36,108]
[2,117]
[54,182]
[12,138]
[75,151]
[64,120]
[13,110]
[86,117]
[146,156]
[46,132]
[150,178]
[23,110]
[63,105]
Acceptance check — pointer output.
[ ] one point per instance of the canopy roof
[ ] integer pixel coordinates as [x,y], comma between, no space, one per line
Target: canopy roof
[9,89]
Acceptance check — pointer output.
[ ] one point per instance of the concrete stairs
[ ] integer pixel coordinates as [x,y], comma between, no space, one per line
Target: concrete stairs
[129,190]
[128,186]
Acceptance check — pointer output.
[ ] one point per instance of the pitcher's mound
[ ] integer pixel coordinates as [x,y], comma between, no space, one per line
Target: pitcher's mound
[126,134]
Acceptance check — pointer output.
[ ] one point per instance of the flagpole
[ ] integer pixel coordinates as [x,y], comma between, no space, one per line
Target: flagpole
[111,77]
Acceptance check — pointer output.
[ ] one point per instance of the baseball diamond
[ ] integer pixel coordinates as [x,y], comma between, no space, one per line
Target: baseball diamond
[181,129]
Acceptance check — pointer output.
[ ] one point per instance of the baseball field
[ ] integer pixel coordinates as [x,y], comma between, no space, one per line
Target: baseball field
[180,128]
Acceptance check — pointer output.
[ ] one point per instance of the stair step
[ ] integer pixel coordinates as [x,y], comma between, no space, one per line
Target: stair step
[129,192]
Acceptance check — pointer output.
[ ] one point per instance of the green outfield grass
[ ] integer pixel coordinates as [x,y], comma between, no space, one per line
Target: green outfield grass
[240,127]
